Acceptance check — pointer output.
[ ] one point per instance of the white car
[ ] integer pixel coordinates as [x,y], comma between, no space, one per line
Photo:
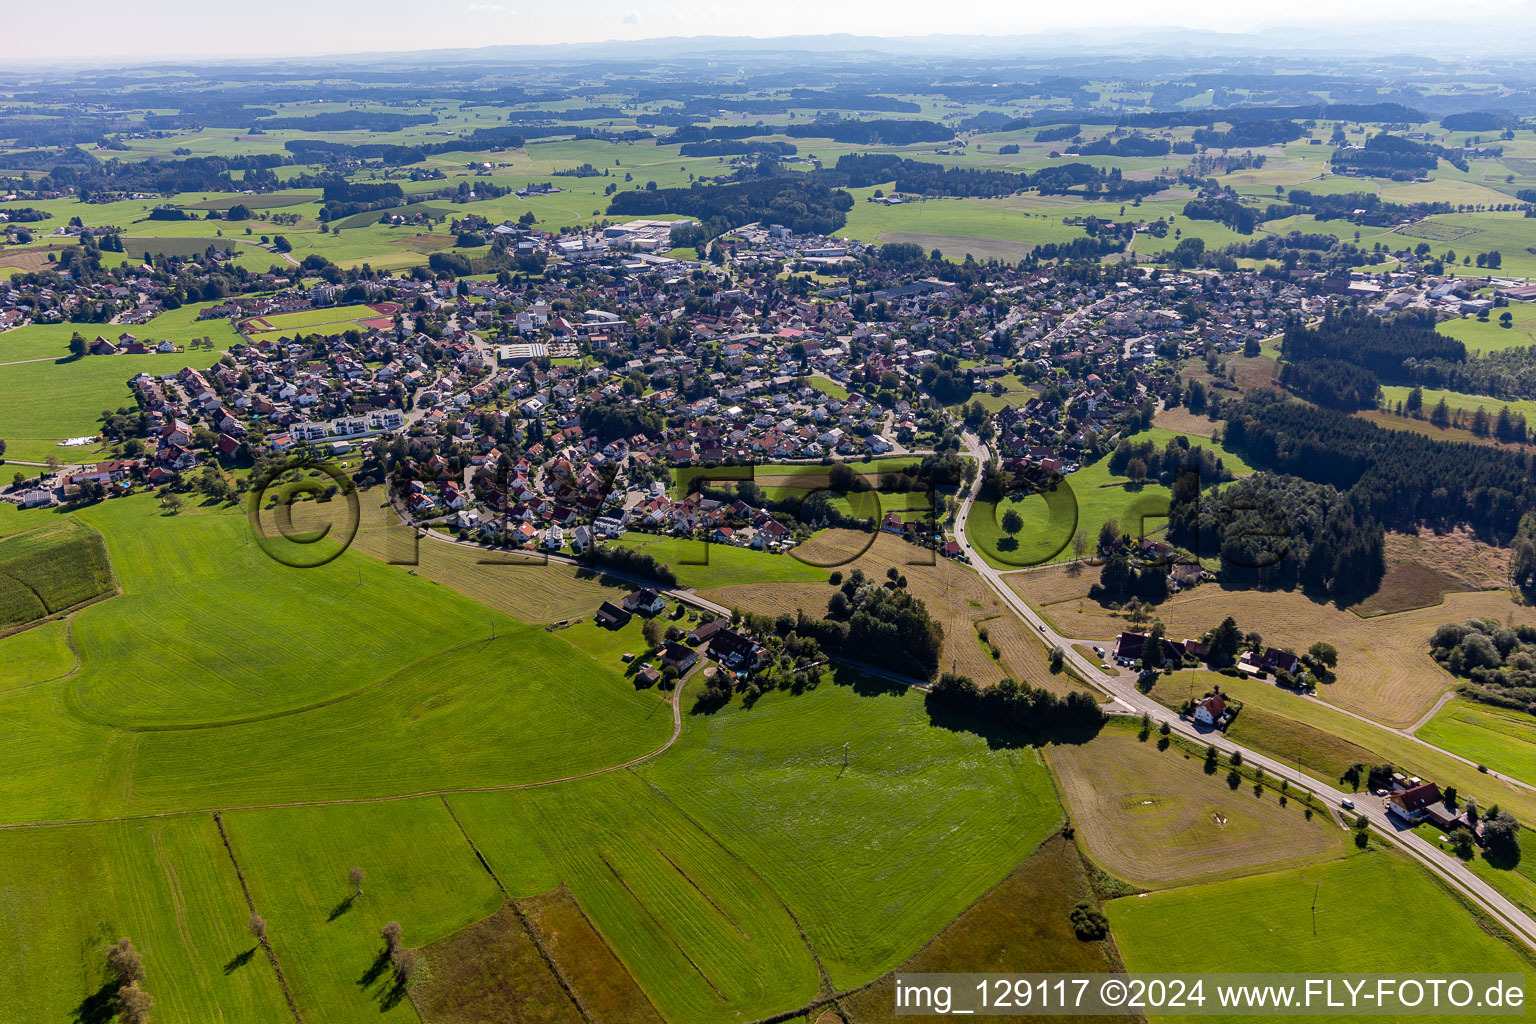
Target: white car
[1347,804]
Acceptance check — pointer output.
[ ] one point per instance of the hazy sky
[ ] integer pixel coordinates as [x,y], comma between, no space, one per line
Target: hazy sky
[196,28]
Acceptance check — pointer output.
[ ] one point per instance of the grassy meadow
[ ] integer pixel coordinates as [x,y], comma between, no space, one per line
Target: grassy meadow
[1502,739]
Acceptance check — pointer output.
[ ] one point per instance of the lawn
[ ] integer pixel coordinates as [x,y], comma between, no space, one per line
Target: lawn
[1081,503]
[1266,923]
[167,885]
[1502,739]
[1156,818]
[702,565]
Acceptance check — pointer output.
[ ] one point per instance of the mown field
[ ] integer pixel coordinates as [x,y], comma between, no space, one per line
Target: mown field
[1500,738]
[1308,734]
[1265,923]
[1384,671]
[1156,818]
[702,565]
[955,596]
[166,884]
[208,684]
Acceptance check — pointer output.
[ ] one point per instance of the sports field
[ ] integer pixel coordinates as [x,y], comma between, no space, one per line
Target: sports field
[322,320]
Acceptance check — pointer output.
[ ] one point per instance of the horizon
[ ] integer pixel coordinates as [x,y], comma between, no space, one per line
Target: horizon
[107,32]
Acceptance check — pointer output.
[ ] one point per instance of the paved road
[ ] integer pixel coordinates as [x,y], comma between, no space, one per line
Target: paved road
[1127,700]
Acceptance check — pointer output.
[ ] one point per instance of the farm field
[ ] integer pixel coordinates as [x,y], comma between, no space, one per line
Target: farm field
[1082,503]
[1490,335]
[1023,925]
[954,595]
[50,569]
[1307,733]
[309,717]
[703,934]
[42,403]
[1500,738]
[703,565]
[420,872]
[487,969]
[167,885]
[1269,923]
[754,775]
[1384,672]
[35,655]
[1156,818]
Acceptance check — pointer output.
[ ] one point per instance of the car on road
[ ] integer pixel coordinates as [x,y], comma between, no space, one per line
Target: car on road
[1347,804]
[1381,792]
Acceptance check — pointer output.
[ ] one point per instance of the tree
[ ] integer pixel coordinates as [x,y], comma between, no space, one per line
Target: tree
[1415,405]
[125,963]
[134,1004]
[76,345]
[355,876]
[1502,834]
[1225,643]
[391,934]
[257,926]
[1324,654]
[1012,522]
[1079,539]
[652,632]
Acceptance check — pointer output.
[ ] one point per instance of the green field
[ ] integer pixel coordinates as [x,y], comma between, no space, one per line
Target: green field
[334,319]
[41,403]
[1082,503]
[44,341]
[1500,738]
[35,655]
[210,658]
[420,872]
[1490,335]
[167,885]
[1454,400]
[50,569]
[704,565]
[1265,923]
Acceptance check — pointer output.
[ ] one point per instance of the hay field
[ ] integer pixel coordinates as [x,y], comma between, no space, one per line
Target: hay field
[1384,672]
[1155,818]
[956,597]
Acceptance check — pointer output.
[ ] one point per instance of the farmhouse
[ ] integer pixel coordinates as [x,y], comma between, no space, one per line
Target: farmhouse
[736,651]
[611,616]
[676,656]
[645,601]
[1210,710]
[1415,803]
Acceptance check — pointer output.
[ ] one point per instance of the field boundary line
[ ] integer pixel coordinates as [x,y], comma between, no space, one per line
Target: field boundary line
[677,731]
[218,820]
[522,919]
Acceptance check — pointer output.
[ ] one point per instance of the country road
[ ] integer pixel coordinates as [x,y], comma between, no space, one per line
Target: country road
[1127,700]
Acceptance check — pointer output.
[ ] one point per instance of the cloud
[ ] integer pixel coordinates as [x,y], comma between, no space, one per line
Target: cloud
[486,8]
[632,18]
